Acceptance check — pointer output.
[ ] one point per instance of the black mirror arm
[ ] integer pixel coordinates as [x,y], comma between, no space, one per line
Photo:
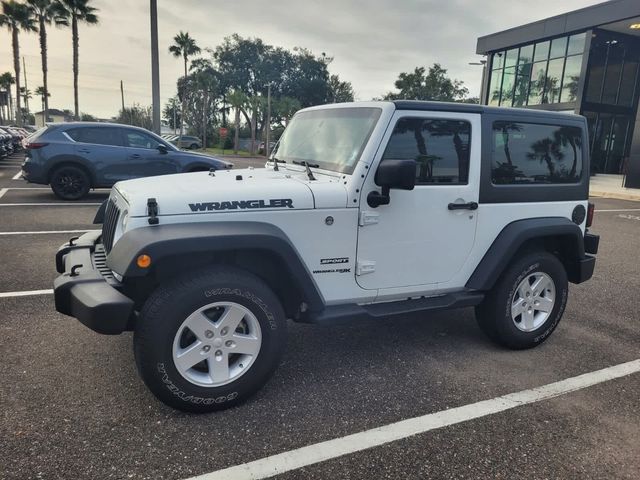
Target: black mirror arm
[375,198]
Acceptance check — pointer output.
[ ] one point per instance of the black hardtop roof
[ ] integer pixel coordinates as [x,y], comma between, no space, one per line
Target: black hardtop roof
[475,108]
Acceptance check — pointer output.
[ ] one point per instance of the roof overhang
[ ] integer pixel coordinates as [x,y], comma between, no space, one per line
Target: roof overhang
[614,11]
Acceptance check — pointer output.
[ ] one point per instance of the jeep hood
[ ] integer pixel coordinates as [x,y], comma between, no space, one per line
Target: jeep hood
[232,191]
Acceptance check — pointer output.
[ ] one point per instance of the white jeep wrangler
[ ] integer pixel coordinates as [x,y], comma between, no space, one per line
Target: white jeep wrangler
[363,211]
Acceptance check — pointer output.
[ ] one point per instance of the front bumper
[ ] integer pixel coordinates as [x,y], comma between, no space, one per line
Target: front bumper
[86,290]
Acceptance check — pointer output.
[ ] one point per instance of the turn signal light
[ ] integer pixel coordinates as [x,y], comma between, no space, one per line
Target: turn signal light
[590,210]
[143,261]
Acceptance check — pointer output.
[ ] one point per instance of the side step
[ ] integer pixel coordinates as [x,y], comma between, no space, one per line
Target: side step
[338,314]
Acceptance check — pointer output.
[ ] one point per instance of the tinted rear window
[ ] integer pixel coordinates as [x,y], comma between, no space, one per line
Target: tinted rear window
[96,135]
[525,153]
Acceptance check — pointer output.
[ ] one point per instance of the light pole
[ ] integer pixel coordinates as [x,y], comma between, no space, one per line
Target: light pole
[155,67]
[484,72]
[266,143]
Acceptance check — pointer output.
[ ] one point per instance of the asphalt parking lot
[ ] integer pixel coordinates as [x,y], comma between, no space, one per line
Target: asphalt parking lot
[74,407]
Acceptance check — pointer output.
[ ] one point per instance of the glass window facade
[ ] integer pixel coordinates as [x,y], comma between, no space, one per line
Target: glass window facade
[536,74]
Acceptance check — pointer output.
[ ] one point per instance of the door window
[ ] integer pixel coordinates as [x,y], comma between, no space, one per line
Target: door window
[140,140]
[440,148]
[96,135]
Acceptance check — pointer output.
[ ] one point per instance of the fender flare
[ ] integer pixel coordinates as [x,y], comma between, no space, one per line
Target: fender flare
[511,239]
[164,241]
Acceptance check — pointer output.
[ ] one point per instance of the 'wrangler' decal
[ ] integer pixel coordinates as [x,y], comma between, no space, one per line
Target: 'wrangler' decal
[242,204]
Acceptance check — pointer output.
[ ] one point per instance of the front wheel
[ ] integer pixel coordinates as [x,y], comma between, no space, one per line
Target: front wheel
[209,340]
[526,304]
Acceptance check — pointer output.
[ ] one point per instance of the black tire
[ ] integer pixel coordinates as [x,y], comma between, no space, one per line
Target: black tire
[494,313]
[194,146]
[168,307]
[70,182]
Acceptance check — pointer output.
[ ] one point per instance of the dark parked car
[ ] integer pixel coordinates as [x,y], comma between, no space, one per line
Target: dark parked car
[75,157]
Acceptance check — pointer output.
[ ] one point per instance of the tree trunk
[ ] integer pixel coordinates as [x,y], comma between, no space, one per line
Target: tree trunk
[184,97]
[16,67]
[236,136]
[74,35]
[43,55]
[204,121]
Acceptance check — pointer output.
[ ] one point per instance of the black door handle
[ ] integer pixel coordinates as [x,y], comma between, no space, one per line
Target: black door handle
[134,156]
[463,206]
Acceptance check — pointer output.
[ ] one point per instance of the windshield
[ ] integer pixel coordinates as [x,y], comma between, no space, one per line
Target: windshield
[332,139]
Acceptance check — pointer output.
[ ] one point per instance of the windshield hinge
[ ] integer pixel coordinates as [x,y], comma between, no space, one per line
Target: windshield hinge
[368,218]
[365,266]
[152,211]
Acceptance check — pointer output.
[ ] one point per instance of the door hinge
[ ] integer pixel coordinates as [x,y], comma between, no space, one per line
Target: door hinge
[368,218]
[365,266]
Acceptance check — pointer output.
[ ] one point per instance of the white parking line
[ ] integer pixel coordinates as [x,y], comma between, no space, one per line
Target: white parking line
[3,191]
[77,204]
[25,293]
[17,176]
[46,232]
[320,452]
[621,210]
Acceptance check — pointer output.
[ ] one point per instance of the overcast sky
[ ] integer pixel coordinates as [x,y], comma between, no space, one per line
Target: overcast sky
[371,41]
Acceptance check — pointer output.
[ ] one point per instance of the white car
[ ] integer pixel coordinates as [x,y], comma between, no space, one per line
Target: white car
[364,210]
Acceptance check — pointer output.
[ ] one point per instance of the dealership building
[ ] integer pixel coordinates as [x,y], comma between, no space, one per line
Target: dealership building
[587,62]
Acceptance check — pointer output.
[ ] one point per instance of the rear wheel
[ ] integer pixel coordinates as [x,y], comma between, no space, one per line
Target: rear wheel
[193,146]
[70,182]
[527,302]
[209,340]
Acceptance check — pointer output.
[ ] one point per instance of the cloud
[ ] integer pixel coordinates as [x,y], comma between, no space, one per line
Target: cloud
[371,41]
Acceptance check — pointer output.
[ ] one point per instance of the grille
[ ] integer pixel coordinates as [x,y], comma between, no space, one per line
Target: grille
[100,262]
[111,215]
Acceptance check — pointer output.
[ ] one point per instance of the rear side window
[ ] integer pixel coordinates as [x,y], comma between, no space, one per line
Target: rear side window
[439,147]
[529,153]
[96,135]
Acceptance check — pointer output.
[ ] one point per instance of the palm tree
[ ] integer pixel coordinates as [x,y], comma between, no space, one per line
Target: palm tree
[77,11]
[238,101]
[16,16]
[184,46]
[26,96]
[43,94]
[6,80]
[46,12]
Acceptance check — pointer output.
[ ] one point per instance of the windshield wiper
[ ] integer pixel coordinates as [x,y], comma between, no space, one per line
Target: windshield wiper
[307,166]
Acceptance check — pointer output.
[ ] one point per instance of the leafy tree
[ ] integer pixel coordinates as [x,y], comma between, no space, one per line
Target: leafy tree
[25,93]
[137,116]
[87,117]
[340,91]
[172,113]
[431,85]
[77,11]
[16,17]
[43,94]
[200,91]
[184,46]
[283,108]
[45,13]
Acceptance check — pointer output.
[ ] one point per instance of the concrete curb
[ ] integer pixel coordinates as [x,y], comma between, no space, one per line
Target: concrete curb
[615,195]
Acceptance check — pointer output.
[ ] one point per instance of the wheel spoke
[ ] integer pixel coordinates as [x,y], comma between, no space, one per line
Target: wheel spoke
[544,304]
[517,308]
[247,344]
[538,285]
[528,318]
[199,323]
[230,318]
[219,367]
[190,356]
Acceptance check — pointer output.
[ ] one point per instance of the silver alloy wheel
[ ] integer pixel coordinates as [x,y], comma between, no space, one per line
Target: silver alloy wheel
[217,344]
[533,301]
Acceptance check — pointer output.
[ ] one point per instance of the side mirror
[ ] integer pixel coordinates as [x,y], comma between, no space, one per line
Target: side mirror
[162,148]
[400,174]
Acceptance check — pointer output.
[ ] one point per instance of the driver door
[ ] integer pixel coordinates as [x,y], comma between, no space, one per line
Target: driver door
[143,157]
[423,236]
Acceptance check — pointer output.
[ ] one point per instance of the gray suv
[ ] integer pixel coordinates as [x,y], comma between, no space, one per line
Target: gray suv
[75,157]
